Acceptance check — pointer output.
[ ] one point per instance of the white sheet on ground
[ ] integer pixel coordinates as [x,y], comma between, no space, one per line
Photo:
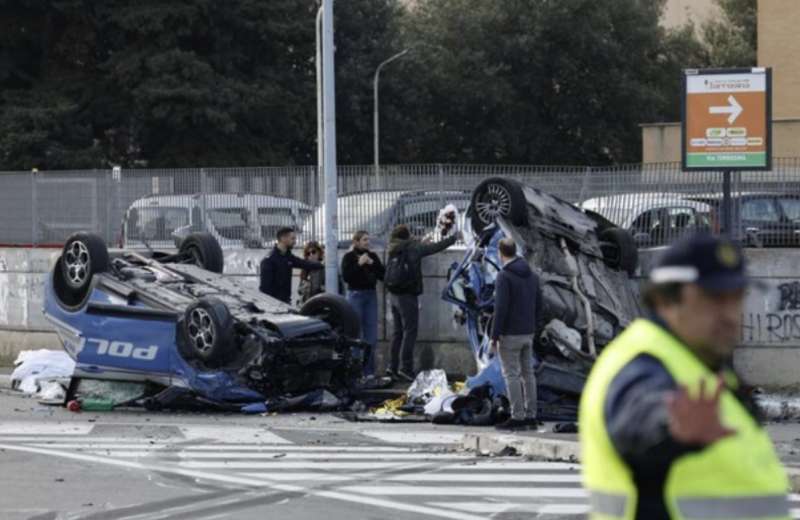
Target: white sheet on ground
[34,368]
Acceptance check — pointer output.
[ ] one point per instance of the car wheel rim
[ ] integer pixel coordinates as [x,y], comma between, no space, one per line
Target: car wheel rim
[77,262]
[201,330]
[494,202]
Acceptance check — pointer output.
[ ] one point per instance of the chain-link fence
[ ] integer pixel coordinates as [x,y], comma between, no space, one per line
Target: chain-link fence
[243,207]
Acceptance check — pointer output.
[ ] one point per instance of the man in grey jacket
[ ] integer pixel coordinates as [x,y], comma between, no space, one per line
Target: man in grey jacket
[403,280]
[517,317]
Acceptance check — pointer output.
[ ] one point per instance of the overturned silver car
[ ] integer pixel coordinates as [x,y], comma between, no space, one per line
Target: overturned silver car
[585,264]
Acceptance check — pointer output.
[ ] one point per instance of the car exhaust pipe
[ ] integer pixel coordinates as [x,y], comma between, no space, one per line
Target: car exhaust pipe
[572,265]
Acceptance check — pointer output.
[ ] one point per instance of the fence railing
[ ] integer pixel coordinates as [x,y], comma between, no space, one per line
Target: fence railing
[245,206]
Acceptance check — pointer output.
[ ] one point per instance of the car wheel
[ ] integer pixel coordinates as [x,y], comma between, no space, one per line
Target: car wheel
[494,198]
[622,253]
[336,311]
[202,250]
[208,331]
[83,256]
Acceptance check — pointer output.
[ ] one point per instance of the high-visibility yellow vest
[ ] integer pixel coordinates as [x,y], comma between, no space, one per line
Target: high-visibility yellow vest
[739,476]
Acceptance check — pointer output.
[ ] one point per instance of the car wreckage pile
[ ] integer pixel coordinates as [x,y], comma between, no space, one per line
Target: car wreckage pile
[585,265]
[190,337]
[180,334]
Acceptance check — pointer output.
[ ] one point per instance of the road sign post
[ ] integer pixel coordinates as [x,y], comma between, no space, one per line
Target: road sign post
[726,125]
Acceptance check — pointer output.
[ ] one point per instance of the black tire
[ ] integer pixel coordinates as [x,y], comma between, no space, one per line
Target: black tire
[622,254]
[208,331]
[336,311]
[497,197]
[203,250]
[83,256]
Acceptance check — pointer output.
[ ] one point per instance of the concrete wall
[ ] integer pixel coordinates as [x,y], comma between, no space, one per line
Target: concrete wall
[778,47]
[769,355]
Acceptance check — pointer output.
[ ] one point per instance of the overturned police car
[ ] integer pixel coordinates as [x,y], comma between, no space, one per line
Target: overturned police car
[585,266]
[174,321]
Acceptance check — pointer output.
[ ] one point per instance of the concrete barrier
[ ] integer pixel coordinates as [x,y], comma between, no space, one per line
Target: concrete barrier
[769,354]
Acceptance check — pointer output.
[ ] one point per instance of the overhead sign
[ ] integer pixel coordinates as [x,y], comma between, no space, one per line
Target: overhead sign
[727,116]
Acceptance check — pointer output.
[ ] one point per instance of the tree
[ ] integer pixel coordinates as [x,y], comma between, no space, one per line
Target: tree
[537,81]
[732,39]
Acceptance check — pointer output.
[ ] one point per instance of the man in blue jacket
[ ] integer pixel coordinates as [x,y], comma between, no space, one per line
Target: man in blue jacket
[276,269]
[517,317]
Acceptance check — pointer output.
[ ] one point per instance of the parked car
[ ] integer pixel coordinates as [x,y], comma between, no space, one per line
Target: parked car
[762,219]
[584,263]
[173,321]
[379,211]
[653,219]
[233,219]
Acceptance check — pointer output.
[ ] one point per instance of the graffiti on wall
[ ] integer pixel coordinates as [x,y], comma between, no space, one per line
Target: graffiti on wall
[781,325]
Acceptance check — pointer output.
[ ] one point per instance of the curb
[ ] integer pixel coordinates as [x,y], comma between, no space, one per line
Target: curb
[553,450]
[5,381]
[536,447]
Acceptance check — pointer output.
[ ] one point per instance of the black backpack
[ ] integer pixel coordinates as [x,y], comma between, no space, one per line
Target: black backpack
[399,276]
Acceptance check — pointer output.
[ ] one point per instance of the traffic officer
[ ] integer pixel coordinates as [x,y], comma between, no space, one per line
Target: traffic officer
[665,429]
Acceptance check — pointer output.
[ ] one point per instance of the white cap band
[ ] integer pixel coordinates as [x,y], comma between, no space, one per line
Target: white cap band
[674,274]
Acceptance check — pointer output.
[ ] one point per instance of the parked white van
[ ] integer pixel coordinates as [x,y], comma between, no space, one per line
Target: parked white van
[236,220]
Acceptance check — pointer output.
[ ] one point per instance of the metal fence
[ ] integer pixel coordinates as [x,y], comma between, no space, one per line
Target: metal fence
[245,206]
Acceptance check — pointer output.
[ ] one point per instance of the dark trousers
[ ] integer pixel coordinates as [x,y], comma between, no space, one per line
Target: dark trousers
[405,313]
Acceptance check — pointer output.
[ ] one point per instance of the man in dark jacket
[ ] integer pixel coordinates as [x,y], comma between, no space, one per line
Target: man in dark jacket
[404,301]
[276,269]
[517,318]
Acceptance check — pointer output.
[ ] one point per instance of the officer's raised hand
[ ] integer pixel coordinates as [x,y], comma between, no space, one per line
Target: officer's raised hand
[696,421]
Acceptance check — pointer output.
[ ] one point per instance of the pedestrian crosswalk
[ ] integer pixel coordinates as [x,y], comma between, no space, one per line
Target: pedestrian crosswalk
[431,482]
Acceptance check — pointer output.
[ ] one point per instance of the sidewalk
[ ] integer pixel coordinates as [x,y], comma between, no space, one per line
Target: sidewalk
[556,447]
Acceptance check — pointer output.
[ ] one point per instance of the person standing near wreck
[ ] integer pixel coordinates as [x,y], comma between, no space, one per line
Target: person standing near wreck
[517,316]
[665,429]
[276,269]
[361,270]
[403,280]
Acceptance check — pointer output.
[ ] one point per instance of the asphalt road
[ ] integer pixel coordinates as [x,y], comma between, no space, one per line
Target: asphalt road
[131,465]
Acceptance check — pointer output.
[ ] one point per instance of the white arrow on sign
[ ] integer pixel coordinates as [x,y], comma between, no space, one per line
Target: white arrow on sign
[734,109]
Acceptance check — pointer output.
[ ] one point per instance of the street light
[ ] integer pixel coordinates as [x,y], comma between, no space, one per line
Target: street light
[375,107]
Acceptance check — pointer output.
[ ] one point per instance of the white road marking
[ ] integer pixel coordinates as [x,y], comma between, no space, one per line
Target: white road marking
[246,481]
[323,456]
[45,428]
[290,465]
[178,443]
[487,477]
[307,477]
[485,491]
[503,507]
[395,437]
[232,434]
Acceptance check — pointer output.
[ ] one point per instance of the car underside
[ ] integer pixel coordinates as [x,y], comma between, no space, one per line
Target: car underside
[164,319]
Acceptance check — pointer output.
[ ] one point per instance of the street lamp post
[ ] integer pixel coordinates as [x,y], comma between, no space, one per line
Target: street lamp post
[375,110]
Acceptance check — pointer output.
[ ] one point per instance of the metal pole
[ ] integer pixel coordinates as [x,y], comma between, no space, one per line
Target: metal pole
[726,205]
[375,117]
[320,184]
[329,152]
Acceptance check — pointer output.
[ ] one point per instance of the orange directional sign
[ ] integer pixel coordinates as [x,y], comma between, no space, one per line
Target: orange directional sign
[726,119]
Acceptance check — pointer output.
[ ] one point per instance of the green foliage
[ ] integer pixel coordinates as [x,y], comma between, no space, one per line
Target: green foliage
[91,83]
[732,39]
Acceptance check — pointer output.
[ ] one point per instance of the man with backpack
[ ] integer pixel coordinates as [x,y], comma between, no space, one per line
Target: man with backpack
[403,280]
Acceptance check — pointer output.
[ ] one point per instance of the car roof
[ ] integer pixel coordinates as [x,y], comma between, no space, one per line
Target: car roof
[219,200]
[370,210]
[622,209]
